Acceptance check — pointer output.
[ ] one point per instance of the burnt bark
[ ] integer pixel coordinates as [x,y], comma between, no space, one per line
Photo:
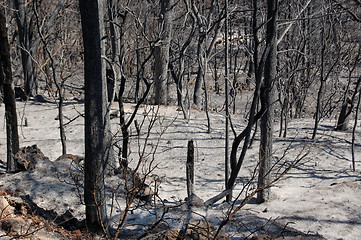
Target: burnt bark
[161,53]
[226,88]
[117,19]
[267,101]
[12,136]
[254,116]
[25,48]
[344,117]
[197,95]
[97,137]
[190,168]
[126,124]
[347,107]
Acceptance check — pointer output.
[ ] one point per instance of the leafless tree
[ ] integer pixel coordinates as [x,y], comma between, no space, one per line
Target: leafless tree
[97,138]
[327,68]
[268,102]
[24,34]
[12,136]
[180,47]
[55,79]
[209,17]
[161,52]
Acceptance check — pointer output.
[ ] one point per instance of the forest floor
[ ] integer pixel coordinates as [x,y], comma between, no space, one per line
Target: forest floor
[320,196]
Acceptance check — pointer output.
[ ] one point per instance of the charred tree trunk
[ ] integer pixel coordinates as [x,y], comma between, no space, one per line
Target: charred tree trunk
[12,136]
[25,49]
[347,107]
[254,116]
[123,124]
[125,133]
[197,95]
[161,54]
[1,87]
[215,66]
[116,23]
[344,117]
[318,108]
[226,89]
[190,168]
[267,102]
[326,68]
[354,132]
[97,137]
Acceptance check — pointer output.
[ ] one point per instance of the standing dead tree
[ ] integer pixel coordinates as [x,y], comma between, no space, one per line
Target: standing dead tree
[59,84]
[330,54]
[120,46]
[352,9]
[209,18]
[12,136]
[182,43]
[124,125]
[161,53]
[348,106]
[25,47]
[97,135]
[292,45]
[143,165]
[350,59]
[254,115]
[248,195]
[267,102]
[226,95]
[354,132]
